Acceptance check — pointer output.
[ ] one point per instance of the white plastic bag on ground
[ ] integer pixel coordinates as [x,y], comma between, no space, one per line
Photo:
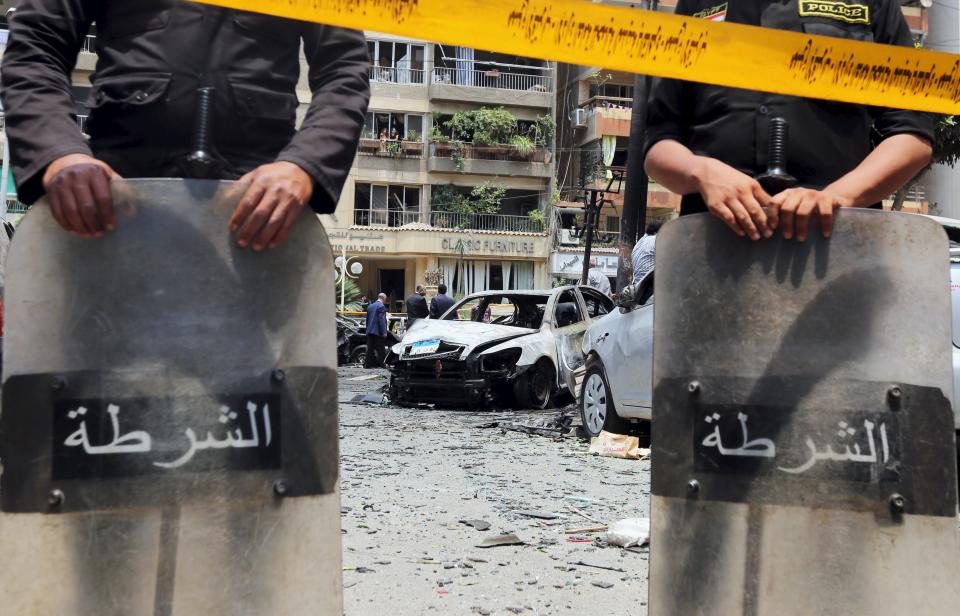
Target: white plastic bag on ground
[628,533]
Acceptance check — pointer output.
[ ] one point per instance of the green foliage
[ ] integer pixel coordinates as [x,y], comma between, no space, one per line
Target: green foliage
[555,196]
[485,199]
[946,143]
[537,217]
[413,135]
[394,149]
[457,155]
[543,130]
[523,145]
[447,198]
[436,134]
[484,126]
[352,295]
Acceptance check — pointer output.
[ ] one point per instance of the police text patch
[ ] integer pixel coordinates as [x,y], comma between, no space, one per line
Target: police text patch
[714,13]
[850,12]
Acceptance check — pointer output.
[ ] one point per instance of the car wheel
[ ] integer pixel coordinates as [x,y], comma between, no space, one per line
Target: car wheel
[358,355]
[535,388]
[596,403]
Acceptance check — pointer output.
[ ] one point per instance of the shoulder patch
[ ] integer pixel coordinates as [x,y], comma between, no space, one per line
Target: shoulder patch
[849,12]
[714,13]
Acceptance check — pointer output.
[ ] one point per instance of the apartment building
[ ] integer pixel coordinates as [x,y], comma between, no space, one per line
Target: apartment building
[453,173]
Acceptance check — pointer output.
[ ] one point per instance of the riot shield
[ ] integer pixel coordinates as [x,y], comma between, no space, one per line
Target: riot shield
[803,439]
[169,425]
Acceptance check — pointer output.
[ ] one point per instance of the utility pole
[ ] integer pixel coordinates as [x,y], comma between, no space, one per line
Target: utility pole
[635,194]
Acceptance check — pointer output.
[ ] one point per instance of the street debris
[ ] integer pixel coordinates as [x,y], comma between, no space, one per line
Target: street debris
[628,532]
[580,531]
[477,524]
[602,584]
[613,445]
[501,540]
[540,515]
[581,563]
[369,399]
[366,377]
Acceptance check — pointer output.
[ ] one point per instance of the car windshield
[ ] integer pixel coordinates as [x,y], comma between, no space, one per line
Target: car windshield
[515,310]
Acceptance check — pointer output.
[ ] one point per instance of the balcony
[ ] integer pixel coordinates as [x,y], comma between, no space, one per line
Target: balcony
[391,155]
[494,223]
[501,160]
[605,115]
[492,87]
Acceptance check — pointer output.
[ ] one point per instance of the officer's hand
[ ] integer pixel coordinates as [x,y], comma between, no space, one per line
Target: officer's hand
[733,197]
[794,207]
[277,194]
[78,190]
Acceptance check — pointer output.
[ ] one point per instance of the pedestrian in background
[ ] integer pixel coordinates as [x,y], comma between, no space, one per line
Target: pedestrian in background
[417,306]
[597,279]
[376,332]
[643,256]
[441,303]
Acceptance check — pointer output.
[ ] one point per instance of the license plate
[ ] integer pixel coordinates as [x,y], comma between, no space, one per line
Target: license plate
[424,347]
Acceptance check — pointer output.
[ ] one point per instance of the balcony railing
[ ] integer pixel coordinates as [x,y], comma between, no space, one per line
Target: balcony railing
[385,218]
[446,149]
[448,220]
[491,79]
[607,102]
[404,76]
[391,148]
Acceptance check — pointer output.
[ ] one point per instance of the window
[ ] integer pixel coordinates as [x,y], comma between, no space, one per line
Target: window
[597,303]
[393,125]
[396,62]
[386,205]
[612,90]
[567,311]
[613,224]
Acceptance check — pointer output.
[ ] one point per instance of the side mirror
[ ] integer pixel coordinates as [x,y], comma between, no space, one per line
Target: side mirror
[627,298]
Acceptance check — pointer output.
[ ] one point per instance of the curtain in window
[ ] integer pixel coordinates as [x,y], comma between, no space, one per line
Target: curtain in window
[523,271]
[465,56]
[481,276]
[448,267]
[505,266]
[608,147]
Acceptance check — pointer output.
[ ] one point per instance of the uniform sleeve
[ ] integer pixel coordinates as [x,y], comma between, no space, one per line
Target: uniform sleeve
[665,105]
[326,143]
[45,38]
[890,27]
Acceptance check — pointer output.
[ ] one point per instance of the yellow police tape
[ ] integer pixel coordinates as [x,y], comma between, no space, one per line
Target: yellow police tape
[652,43]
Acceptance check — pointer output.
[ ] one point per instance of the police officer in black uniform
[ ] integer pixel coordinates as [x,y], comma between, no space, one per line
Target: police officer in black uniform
[708,143]
[155,56]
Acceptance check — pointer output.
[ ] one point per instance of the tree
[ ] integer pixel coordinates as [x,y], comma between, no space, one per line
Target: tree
[946,151]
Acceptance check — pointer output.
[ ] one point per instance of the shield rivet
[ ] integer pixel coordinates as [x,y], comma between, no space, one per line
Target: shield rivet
[55,498]
[694,387]
[693,487]
[280,487]
[897,503]
[278,375]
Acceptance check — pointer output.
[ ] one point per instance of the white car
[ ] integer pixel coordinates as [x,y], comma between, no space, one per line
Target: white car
[517,348]
[617,387]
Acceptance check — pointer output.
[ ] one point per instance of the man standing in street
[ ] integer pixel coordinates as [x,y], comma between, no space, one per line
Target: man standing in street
[441,303]
[165,70]
[597,279]
[708,143]
[376,332]
[643,256]
[417,306]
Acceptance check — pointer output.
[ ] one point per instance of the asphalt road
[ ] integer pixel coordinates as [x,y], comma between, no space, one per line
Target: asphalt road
[408,476]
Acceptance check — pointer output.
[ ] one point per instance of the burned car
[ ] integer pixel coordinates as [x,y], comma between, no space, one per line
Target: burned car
[512,348]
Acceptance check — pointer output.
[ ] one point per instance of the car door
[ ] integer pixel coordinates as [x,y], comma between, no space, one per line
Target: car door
[630,366]
[569,325]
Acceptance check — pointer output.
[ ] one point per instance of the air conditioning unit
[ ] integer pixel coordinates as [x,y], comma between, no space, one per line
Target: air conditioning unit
[568,237]
[579,119]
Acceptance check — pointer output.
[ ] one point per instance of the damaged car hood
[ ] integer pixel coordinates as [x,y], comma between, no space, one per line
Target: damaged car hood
[462,333]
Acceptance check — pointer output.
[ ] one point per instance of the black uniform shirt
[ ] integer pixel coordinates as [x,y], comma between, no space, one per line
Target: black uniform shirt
[153,56]
[827,139]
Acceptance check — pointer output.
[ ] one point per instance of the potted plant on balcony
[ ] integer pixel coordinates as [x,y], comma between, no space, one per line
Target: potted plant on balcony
[441,143]
[523,148]
[413,144]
